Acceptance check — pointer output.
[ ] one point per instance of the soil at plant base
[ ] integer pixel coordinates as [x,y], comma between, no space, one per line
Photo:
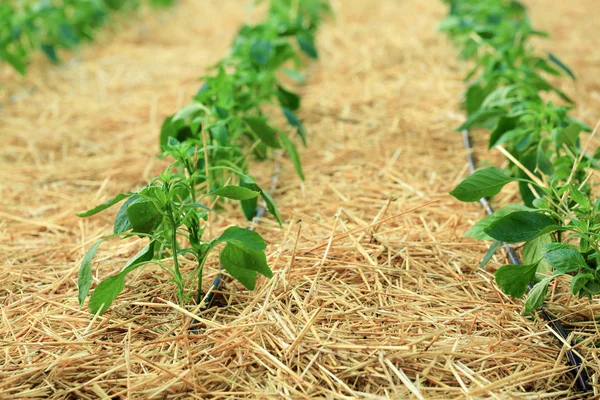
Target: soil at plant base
[375,292]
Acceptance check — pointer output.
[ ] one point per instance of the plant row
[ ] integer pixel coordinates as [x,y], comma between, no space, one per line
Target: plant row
[210,142]
[50,25]
[529,120]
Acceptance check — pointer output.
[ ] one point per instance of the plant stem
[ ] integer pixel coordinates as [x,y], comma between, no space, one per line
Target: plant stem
[201,261]
[174,246]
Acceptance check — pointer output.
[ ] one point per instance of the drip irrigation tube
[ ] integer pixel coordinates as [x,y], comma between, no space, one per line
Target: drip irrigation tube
[575,361]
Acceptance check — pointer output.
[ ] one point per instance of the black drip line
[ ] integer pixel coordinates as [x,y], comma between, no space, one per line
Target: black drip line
[574,360]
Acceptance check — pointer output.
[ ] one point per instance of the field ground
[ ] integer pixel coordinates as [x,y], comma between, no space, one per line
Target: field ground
[375,292]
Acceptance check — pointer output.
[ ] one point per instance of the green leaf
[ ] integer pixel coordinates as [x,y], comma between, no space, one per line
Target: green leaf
[143,216]
[561,65]
[271,206]
[260,51]
[294,75]
[105,293]
[579,198]
[84,280]
[490,253]
[175,128]
[17,62]
[108,290]
[477,230]
[579,281]
[474,97]
[50,52]
[505,124]
[537,294]
[241,238]
[566,260]
[534,251]
[521,226]
[122,223]
[249,206]
[263,131]
[288,99]
[292,151]
[307,44]
[568,135]
[481,117]
[487,182]
[235,192]
[513,279]
[233,260]
[106,205]
[294,121]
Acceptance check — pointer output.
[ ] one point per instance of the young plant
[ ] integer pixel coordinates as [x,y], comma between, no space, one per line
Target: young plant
[558,223]
[210,141]
[169,212]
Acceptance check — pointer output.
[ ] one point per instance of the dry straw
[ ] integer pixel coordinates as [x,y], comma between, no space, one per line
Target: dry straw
[361,305]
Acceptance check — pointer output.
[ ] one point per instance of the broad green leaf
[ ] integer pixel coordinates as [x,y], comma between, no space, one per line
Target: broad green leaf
[232,260]
[481,117]
[521,226]
[84,281]
[541,203]
[292,151]
[17,62]
[537,294]
[579,281]
[235,192]
[477,230]
[108,290]
[241,238]
[534,251]
[473,98]
[144,255]
[566,260]
[288,99]
[249,206]
[568,135]
[263,131]
[559,246]
[487,182]
[106,205]
[176,128]
[513,279]
[143,216]
[122,223]
[105,293]
[505,124]
[255,260]
[50,52]
[307,44]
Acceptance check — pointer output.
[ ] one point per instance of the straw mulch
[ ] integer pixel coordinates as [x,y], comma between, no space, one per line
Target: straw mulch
[375,293]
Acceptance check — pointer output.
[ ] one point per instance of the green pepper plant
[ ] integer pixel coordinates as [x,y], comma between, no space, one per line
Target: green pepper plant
[210,141]
[509,94]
